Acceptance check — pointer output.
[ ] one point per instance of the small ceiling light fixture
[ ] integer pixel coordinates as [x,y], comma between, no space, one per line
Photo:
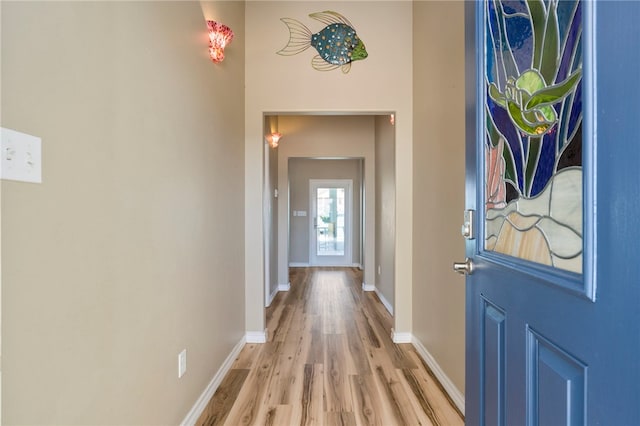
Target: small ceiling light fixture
[392,119]
[274,139]
[219,36]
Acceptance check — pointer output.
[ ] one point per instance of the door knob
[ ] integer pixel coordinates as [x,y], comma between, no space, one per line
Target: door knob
[464,268]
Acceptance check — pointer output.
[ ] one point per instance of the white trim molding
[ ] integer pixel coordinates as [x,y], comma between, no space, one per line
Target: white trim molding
[203,400]
[368,287]
[334,265]
[298,265]
[271,297]
[256,336]
[384,301]
[284,287]
[332,260]
[281,287]
[401,337]
[454,393]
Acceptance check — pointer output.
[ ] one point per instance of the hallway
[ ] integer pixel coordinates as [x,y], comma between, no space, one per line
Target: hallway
[329,360]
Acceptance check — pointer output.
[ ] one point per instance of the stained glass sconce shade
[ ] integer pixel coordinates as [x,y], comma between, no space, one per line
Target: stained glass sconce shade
[274,139]
[219,36]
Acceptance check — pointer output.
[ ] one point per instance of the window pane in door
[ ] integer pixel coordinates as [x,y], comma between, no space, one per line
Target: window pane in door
[330,221]
[533,131]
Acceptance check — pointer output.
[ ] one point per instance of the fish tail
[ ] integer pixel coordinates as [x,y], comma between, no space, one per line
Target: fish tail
[299,38]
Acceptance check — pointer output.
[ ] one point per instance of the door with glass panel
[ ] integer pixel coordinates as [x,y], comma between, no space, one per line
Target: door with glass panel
[330,222]
[552,226]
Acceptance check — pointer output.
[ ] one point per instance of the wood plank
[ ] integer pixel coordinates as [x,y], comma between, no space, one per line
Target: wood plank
[340,419]
[278,415]
[434,392]
[277,392]
[366,399]
[337,394]
[311,411]
[316,349]
[280,326]
[418,395]
[217,411]
[356,350]
[247,356]
[397,408]
[251,397]
[366,329]
[332,322]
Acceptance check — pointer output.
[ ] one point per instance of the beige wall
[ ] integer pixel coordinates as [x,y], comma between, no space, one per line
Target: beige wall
[385,208]
[438,293]
[301,171]
[132,247]
[279,84]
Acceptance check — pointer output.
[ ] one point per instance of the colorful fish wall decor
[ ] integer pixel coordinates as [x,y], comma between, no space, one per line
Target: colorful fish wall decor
[337,43]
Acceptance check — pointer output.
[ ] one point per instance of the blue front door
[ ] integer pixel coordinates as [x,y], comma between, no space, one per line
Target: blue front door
[553,180]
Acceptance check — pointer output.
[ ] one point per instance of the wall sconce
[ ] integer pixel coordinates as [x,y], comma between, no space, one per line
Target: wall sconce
[392,119]
[274,139]
[219,36]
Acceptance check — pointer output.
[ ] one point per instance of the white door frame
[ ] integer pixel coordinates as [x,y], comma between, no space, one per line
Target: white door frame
[347,258]
[267,211]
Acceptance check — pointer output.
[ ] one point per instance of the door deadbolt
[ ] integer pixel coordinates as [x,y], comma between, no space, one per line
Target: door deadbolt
[467,226]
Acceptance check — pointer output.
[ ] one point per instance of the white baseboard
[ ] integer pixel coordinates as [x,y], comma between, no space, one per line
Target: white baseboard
[284,287]
[384,301]
[454,393]
[368,287]
[271,297]
[330,265]
[281,287]
[256,336]
[203,400]
[401,337]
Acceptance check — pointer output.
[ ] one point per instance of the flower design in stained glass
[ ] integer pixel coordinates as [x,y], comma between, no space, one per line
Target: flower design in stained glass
[533,131]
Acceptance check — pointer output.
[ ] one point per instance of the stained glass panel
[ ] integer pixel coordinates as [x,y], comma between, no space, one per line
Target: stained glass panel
[533,132]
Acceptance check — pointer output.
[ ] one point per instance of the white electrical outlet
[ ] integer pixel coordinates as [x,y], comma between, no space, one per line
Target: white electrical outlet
[182,363]
[379,269]
[20,157]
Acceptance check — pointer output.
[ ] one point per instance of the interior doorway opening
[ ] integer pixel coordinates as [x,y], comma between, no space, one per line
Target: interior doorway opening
[310,147]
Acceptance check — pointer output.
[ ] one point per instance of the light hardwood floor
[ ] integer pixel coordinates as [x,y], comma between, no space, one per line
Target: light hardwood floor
[329,360]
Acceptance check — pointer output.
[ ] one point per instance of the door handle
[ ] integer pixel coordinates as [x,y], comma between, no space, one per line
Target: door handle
[464,268]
